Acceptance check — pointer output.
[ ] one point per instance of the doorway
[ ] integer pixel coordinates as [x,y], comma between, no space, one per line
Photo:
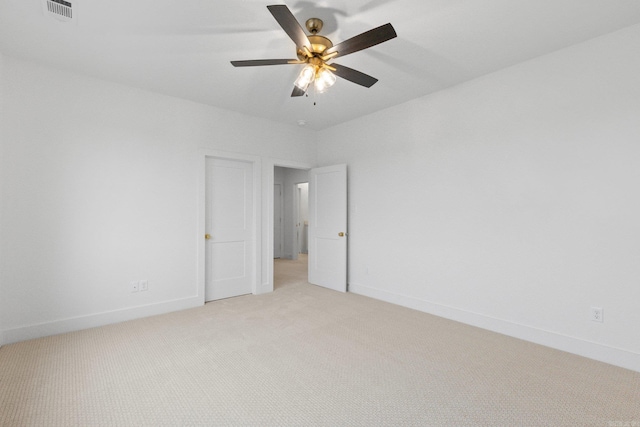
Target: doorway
[289,272]
[290,218]
[327,218]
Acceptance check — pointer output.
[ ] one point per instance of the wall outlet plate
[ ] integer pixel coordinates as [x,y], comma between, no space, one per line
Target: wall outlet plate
[597,314]
[134,286]
[144,285]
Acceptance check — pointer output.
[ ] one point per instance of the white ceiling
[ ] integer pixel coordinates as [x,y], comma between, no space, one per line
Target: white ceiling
[183,47]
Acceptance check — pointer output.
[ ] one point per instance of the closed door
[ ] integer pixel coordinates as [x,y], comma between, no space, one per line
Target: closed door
[328,227]
[229,229]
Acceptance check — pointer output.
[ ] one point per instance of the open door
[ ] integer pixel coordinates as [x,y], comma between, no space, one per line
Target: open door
[328,227]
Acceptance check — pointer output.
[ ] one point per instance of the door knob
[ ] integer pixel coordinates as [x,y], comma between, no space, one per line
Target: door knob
[341,234]
[207,236]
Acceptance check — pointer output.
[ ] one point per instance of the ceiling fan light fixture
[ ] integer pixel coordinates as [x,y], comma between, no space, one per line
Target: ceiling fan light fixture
[306,76]
[324,79]
[316,51]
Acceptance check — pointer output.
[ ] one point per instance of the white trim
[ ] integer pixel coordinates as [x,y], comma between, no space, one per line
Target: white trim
[296,220]
[603,353]
[256,164]
[281,209]
[98,319]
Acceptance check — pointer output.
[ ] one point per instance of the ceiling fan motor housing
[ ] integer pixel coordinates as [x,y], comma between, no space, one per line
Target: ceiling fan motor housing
[318,43]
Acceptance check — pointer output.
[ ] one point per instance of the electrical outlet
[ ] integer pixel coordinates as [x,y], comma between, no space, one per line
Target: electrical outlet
[597,314]
[144,285]
[134,286]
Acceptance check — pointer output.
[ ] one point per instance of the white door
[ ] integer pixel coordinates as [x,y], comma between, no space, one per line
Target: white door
[229,229]
[328,227]
[277,220]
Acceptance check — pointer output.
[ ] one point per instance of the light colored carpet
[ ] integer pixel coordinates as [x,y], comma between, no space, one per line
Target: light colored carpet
[303,355]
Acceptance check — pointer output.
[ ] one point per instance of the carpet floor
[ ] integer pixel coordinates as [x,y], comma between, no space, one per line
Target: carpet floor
[302,356]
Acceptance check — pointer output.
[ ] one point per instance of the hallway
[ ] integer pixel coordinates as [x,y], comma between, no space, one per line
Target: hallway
[287,272]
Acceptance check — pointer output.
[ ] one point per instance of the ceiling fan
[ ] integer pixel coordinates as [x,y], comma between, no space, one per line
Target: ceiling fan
[316,51]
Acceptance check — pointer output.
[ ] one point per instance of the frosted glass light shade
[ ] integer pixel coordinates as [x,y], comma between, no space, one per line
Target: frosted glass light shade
[324,79]
[306,76]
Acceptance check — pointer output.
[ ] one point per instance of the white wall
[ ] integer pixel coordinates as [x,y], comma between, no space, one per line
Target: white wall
[278,175]
[510,202]
[100,188]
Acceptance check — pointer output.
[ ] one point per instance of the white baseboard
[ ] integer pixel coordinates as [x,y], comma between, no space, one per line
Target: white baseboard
[614,356]
[24,333]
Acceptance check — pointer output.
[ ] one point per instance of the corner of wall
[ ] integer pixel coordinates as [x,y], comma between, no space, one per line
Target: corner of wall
[591,350]
[95,320]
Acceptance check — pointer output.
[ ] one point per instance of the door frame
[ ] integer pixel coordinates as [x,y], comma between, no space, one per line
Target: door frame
[257,199]
[281,237]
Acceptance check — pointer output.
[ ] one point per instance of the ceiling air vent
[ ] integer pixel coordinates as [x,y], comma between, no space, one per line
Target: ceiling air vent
[59,9]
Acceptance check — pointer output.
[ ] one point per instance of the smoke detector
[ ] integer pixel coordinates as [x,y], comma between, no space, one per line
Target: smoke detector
[60,10]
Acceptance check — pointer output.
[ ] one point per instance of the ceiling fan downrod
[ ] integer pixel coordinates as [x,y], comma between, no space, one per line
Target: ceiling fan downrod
[314,25]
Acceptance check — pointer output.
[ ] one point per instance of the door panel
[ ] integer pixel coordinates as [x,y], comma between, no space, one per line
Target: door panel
[229,260]
[229,223]
[328,227]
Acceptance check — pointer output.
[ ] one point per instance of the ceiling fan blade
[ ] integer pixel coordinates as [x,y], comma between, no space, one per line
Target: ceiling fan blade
[354,76]
[297,91]
[259,62]
[290,25]
[363,41]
